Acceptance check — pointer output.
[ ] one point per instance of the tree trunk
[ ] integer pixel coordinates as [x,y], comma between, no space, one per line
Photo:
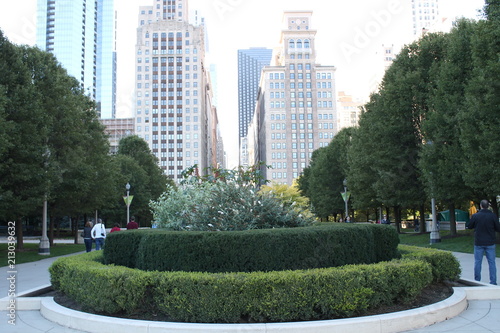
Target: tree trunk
[397,218]
[19,234]
[423,225]
[453,219]
[74,229]
[51,231]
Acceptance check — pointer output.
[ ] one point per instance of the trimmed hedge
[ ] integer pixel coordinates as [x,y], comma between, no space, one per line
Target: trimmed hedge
[325,293]
[252,250]
[444,265]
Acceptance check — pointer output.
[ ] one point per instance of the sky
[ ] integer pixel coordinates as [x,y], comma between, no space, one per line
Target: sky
[350,35]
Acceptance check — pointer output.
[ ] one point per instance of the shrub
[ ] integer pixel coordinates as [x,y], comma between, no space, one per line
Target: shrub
[224,206]
[253,250]
[444,264]
[325,293]
[101,288]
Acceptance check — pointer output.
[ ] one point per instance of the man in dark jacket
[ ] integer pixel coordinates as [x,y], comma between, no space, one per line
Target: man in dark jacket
[484,223]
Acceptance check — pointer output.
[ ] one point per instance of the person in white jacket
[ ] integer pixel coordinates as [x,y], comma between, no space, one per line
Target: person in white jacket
[99,234]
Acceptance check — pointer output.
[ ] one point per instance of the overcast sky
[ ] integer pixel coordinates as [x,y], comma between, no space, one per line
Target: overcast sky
[350,35]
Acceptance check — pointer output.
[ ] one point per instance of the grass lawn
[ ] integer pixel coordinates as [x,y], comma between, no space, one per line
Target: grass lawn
[30,252]
[464,242]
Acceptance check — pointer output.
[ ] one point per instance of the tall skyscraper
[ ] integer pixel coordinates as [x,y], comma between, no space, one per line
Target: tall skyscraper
[250,64]
[81,34]
[296,106]
[173,101]
[425,13]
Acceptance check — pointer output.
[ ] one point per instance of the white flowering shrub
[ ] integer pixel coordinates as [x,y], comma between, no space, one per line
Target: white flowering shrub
[222,204]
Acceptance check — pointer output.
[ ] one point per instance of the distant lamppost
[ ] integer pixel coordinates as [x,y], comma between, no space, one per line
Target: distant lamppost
[435,237]
[44,246]
[127,187]
[346,199]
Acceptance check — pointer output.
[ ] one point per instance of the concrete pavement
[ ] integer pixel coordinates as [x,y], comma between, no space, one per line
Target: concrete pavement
[480,315]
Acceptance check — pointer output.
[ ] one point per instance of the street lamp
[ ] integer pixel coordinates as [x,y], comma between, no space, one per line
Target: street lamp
[435,237]
[44,246]
[346,199]
[127,187]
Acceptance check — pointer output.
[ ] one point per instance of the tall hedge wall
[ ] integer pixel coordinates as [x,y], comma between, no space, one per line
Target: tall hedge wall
[252,250]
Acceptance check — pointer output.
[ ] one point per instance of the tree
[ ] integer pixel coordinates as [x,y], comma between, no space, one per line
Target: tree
[481,117]
[442,157]
[138,167]
[23,172]
[289,195]
[362,158]
[55,148]
[322,180]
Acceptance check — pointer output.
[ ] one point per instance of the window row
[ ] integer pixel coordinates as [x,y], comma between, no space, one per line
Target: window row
[278,156]
[279,145]
[279,175]
[164,34]
[301,145]
[165,93]
[292,43]
[186,101]
[165,68]
[164,85]
[171,51]
[300,66]
[278,165]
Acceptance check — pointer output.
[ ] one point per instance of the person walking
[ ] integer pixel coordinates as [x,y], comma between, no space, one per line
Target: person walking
[99,234]
[132,224]
[87,236]
[385,220]
[484,223]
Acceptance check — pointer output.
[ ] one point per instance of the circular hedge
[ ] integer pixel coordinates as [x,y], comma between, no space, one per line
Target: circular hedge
[257,296]
[330,245]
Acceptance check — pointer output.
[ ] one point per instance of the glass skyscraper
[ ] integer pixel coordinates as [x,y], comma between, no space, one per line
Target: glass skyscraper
[81,34]
[250,64]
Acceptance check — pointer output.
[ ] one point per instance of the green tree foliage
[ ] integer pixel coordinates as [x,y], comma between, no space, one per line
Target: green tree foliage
[480,120]
[287,194]
[54,147]
[362,158]
[322,181]
[442,157]
[136,165]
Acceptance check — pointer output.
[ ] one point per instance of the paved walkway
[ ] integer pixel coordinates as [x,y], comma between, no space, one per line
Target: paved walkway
[480,316]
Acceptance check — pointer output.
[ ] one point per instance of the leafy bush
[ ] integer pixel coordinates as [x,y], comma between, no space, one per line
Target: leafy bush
[444,264]
[224,206]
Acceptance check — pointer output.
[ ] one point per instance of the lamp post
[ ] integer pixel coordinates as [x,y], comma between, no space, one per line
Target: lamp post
[127,187]
[434,237]
[346,199]
[44,246]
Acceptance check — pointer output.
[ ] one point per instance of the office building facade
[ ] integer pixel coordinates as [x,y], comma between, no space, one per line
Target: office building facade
[81,34]
[425,13]
[296,105]
[250,64]
[174,112]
